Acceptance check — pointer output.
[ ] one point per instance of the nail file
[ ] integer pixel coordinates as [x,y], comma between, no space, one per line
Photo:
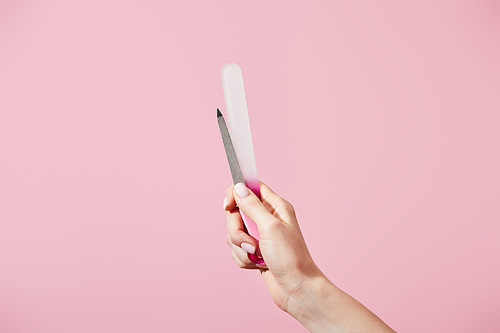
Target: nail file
[235,173]
[241,136]
[229,148]
[239,123]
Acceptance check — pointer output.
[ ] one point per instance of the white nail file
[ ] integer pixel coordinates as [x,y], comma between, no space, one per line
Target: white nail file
[239,123]
[239,129]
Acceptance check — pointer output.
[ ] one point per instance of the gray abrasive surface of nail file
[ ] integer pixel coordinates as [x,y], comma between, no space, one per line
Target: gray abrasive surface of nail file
[230,153]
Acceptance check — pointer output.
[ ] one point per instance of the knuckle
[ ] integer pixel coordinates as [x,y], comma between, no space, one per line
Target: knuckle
[273,226]
[287,206]
[233,236]
[285,203]
[254,203]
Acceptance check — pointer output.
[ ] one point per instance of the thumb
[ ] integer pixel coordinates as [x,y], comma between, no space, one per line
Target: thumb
[252,207]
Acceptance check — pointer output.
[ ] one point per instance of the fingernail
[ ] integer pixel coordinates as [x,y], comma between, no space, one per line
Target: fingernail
[225,203]
[241,190]
[247,247]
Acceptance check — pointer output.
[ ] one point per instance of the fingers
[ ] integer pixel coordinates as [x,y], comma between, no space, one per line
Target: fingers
[236,232]
[229,202]
[265,191]
[240,256]
[250,204]
[271,200]
[276,204]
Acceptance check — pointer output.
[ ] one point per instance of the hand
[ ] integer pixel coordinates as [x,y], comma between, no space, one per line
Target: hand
[289,266]
[296,284]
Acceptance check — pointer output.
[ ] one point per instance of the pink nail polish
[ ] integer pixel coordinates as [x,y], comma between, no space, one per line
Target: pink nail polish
[247,247]
[241,190]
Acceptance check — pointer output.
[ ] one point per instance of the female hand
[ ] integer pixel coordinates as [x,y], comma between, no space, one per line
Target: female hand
[296,284]
[289,266]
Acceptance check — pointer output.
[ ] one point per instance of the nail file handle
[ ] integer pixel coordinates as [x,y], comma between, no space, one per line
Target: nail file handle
[250,225]
[252,231]
[253,185]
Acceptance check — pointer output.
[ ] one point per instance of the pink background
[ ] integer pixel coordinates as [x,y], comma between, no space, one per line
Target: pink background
[378,120]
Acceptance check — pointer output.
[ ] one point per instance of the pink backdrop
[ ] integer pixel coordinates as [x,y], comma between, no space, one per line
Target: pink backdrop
[379,121]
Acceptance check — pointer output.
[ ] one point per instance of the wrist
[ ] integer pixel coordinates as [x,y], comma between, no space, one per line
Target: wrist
[305,304]
[320,306]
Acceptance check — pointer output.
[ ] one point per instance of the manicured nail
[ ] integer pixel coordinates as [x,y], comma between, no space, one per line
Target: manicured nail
[241,190]
[247,247]
[225,203]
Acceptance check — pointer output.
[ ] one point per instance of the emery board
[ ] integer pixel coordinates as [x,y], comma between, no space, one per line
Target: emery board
[241,137]
[239,123]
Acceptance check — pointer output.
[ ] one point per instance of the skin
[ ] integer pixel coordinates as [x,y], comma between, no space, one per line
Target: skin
[295,283]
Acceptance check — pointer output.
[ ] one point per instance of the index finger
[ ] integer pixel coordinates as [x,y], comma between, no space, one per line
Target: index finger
[231,203]
[236,229]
